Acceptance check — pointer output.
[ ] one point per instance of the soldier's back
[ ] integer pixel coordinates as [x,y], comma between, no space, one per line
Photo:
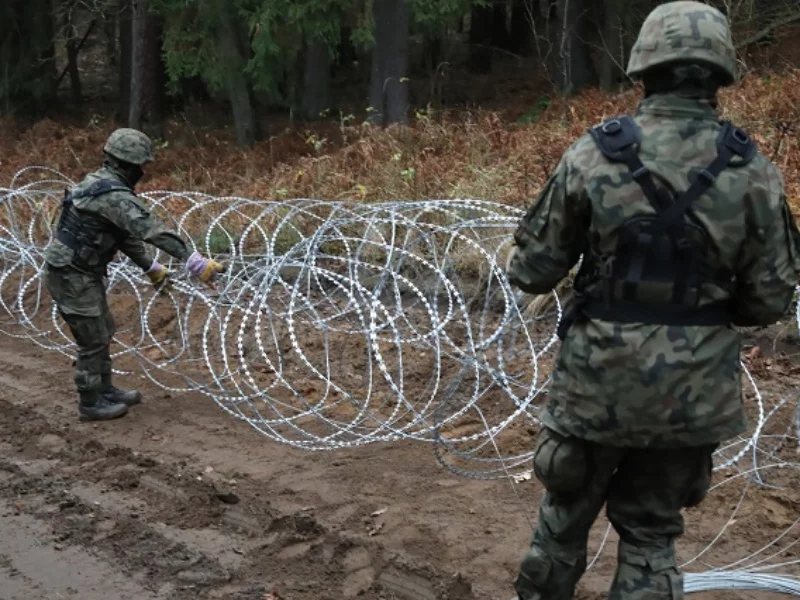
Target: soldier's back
[646,384]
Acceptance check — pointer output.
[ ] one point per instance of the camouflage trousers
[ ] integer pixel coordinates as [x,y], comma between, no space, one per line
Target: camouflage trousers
[92,326]
[644,491]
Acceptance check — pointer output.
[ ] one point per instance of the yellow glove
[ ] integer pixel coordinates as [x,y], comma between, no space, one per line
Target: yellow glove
[160,277]
[205,269]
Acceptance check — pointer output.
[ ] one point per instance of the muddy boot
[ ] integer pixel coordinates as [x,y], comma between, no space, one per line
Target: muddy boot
[94,407]
[117,396]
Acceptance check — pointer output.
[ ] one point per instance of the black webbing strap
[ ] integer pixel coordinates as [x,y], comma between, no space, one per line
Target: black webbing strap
[717,313]
[617,138]
[69,240]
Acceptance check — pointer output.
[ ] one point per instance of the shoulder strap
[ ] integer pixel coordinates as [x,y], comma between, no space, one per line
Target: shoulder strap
[731,142]
[618,140]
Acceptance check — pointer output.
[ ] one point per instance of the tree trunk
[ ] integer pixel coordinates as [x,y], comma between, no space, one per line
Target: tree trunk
[611,70]
[521,26]
[27,56]
[72,55]
[388,87]
[232,57]
[480,37]
[125,59]
[147,74]
[499,37]
[138,42]
[347,53]
[153,78]
[316,80]
[433,49]
[110,33]
[572,68]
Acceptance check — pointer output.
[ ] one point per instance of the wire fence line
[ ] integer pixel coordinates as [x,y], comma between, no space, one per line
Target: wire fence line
[342,324]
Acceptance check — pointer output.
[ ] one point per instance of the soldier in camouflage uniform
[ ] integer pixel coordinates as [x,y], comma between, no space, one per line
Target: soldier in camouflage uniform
[99,217]
[684,229]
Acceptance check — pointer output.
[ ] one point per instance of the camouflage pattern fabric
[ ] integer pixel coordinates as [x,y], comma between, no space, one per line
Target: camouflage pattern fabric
[129,145]
[630,384]
[645,490]
[681,32]
[120,222]
[89,319]
[636,410]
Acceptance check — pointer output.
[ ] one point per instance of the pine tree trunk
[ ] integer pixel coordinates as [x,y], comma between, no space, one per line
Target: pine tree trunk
[139,41]
[232,56]
[499,37]
[110,33]
[125,58]
[390,56]
[316,80]
[611,70]
[74,73]
[572,69]
[147,74]
[347,53]
[153,78]
[480,37]
[71,32]
[432,52]
[72,64]
[521,26]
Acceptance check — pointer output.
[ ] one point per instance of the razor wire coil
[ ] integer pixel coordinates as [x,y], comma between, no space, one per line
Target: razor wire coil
[341,324]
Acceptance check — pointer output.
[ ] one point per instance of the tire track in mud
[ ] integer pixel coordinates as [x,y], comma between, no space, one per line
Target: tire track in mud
[182,535]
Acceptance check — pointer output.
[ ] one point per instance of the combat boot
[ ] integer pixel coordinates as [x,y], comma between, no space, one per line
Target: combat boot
[114,395]
[95,407]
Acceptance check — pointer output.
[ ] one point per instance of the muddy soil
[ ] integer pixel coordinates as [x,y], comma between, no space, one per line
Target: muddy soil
[178,500]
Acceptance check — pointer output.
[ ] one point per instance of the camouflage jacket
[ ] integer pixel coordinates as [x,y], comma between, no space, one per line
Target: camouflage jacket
[122,222]
[644,384]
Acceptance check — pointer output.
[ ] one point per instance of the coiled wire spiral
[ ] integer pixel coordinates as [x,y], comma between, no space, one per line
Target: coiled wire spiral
[343,324]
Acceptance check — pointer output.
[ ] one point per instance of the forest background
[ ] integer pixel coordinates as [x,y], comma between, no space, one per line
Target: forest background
[346,99]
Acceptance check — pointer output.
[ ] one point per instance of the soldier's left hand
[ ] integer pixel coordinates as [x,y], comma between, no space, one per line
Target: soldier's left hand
[206,269]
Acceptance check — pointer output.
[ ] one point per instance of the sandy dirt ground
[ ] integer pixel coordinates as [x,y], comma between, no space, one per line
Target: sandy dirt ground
[178,500]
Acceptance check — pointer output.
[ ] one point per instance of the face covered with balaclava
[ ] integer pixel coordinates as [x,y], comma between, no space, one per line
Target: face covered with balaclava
[130,172]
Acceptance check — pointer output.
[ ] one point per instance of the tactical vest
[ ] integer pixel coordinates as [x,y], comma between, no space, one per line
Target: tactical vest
[82,232]
[661,261]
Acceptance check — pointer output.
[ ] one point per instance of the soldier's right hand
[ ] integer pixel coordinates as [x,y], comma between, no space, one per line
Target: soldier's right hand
[160,277]
[205,269]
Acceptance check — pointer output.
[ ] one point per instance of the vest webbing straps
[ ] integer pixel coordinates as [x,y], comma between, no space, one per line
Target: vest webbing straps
[70,230]
[660,240]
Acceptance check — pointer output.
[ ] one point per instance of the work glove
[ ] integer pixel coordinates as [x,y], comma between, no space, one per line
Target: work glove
[205,269]
[160,277]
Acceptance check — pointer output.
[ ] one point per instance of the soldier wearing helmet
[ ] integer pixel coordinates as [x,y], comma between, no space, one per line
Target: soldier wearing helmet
[100,216]
[682,229]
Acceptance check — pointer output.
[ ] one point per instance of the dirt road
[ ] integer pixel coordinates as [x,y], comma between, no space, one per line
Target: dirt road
[178,500]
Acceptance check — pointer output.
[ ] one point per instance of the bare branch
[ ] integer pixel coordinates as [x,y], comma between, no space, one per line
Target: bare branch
[766,31]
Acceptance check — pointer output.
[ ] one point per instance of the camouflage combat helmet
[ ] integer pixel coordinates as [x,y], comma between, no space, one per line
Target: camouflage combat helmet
[681,32]
[129,145]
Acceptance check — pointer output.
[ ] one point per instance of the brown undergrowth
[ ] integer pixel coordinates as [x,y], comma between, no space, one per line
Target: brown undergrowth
[475,154]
